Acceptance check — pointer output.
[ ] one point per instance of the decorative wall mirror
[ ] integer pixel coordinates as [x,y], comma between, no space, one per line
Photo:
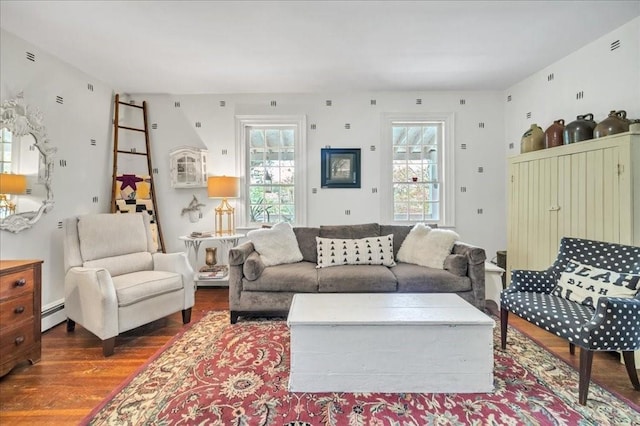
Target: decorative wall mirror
[26,166]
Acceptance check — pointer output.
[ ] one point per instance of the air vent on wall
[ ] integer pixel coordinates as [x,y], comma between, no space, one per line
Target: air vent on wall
[31,57]
[615,45]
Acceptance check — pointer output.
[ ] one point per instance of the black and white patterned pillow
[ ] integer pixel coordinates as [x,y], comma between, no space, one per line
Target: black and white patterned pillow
[363,251]
[585,283]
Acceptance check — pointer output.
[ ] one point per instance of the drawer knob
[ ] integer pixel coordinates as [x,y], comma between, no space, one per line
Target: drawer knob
[19,340]
[21,282]
[19,310]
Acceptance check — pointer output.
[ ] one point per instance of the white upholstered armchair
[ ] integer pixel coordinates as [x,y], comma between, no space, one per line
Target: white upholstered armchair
[115,281]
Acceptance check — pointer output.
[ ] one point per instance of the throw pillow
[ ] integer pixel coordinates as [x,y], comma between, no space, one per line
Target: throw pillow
[363,251]
[585,284]
[276,245]
[427,247]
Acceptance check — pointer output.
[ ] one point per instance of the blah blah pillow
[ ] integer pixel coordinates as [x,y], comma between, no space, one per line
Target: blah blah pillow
[585,284]
[363,251]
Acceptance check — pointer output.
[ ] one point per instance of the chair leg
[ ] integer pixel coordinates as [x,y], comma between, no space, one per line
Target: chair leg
[504,320]
[71,325]
[233,317]
[572,349]
[186,316]
[630,363]
[586,359]
[108,346]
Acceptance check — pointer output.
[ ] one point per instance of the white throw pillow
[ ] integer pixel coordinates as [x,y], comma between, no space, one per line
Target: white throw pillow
[585,284]
[427,247]
[362,251]
[276,245]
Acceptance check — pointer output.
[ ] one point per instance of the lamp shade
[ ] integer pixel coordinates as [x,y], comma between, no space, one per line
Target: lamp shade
[12,184]
[223,187]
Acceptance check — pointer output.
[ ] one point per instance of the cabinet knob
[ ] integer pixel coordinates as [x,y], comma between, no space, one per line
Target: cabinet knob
[21,282]
[19,340]
[19,309]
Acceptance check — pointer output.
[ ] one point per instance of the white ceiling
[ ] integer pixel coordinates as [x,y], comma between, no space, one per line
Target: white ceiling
[184,47]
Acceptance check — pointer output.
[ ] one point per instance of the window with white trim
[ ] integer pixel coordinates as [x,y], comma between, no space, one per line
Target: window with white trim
[272,156]
[419,166]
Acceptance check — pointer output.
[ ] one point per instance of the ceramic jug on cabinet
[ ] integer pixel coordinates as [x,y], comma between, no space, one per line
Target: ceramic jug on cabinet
[553,136]
[616,122]
[581,129]
[532,140]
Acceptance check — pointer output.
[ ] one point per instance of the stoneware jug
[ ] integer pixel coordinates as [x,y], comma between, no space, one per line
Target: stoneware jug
[616,122]
[532,140]
[579,130]
[553,136]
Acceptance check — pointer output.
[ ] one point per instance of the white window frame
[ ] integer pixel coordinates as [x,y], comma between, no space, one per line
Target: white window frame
[299,122]
[446,169]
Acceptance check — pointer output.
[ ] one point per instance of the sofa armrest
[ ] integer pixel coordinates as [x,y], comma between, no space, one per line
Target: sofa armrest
[239,254]
[237,257]
[532,281]
[178,263]
[91,300]
[612,315]
[475,269]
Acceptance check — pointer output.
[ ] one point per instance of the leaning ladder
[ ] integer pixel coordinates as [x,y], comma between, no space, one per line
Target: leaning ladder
[116,152]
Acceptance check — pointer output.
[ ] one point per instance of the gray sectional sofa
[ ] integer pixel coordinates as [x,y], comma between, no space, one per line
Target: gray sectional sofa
[258,290]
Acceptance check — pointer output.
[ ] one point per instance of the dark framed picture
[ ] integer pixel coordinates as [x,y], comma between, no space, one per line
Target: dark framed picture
[340,167]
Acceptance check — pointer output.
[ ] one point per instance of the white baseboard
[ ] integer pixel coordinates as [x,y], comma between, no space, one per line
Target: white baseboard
[52,315]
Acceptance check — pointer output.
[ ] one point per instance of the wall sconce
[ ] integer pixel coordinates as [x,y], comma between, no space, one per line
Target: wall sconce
[10,184]
[224,187]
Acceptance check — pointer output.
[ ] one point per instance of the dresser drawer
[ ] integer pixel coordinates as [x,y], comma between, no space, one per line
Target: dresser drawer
[15,283]
[15,310]
[14,340]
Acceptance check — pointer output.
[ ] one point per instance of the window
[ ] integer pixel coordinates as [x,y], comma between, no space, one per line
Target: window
[5,160]
[272,156]
[419,168]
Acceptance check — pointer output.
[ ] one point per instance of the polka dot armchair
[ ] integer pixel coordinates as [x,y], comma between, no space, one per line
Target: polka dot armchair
[611,324]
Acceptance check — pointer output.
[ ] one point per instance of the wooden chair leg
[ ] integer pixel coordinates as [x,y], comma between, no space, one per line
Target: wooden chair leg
[586,359]
[71,325]
[572,349]
[186,316]
[630,363]
[504,320]
[108,346]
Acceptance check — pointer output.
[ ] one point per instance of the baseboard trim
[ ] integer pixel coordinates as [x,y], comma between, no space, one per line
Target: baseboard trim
[52,315]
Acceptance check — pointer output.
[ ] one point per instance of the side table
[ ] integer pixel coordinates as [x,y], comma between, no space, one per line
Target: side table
[226,243]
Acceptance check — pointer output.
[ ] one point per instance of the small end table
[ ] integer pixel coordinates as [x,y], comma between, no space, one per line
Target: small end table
[226,243]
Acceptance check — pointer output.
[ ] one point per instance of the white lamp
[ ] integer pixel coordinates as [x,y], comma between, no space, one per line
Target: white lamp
[223,187]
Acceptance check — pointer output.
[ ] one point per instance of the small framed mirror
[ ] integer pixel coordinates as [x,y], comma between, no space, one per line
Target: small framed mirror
[26,166]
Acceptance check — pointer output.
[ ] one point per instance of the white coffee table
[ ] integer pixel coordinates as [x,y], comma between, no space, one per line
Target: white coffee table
[389,342]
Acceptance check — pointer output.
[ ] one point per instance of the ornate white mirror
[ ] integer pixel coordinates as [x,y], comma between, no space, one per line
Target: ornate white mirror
[26,166]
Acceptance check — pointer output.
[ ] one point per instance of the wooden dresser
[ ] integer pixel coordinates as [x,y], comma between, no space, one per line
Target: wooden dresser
[20,282]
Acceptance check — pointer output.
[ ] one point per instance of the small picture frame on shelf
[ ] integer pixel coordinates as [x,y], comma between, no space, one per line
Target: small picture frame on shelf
[340,167]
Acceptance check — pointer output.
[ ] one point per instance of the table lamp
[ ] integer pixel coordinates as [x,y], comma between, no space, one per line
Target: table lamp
[223,187]
[10,184]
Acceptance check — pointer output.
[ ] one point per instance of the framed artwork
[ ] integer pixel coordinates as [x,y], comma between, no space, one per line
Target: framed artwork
[340,168]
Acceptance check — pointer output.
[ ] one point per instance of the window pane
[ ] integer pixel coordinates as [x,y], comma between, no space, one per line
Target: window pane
[273,138]
[429,135]
[399,135]
[257,138]
[414,136]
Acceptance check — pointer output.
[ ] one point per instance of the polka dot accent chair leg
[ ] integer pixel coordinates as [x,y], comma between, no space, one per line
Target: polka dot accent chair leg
[614,323]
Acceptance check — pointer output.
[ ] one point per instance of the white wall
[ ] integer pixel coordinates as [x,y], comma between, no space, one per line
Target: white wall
[608,79]
[85,171]
[484,190]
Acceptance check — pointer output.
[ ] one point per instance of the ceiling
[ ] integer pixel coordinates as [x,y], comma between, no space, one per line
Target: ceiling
[186,47]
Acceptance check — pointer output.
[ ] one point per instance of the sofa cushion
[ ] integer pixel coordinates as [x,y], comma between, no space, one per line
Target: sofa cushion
[307,242]
[585,284]
[426,247]
[253,266]
[399,232]
[350,231]
[300,277]
[125,264]
[107,235]
[420,279]
[457,264]
[276,245]
[362,251]
[356,279]
[138,286]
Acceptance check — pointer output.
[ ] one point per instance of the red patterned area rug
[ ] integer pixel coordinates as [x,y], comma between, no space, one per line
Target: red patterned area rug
[216,373]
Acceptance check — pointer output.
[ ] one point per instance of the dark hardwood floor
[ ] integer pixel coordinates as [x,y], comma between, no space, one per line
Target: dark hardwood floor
[73,376]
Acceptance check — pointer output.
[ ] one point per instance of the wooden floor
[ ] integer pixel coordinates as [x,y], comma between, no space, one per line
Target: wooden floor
[73,376]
